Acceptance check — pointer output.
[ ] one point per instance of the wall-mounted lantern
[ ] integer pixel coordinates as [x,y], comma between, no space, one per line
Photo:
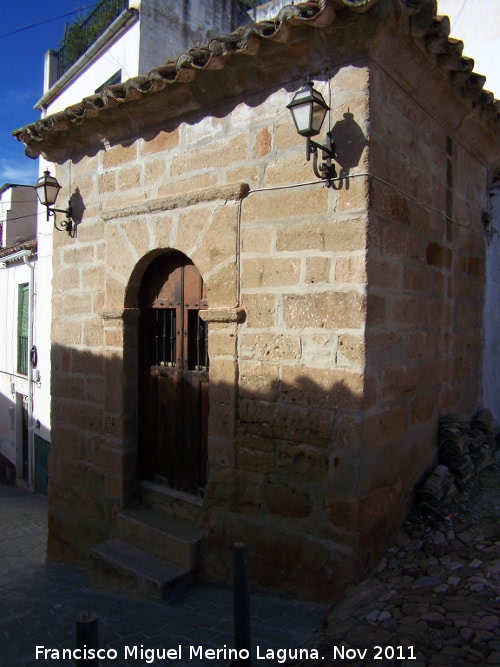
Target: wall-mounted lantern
[47,189]
[308,109]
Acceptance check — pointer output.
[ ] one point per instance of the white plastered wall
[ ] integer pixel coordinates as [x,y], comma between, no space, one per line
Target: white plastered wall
[122,54]
[43,317]
[11,384]
[18,205]
[477,24]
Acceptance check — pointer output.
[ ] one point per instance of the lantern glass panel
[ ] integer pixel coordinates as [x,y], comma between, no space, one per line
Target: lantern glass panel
[308,110]
[47,189]
[318,116]
[302,117]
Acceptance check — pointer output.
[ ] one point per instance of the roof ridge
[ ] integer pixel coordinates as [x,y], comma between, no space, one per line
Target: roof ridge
[422,23]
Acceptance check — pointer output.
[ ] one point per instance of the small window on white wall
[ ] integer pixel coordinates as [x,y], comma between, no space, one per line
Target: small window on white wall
[22,329]
[116,78]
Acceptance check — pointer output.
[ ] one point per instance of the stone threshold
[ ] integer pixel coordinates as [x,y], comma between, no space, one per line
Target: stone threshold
[172,493]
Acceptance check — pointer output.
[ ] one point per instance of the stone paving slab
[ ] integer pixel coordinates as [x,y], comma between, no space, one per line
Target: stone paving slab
[433,601]
[40,601]
[434,598]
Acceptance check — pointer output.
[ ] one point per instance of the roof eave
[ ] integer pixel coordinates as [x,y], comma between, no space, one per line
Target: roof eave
[165,95]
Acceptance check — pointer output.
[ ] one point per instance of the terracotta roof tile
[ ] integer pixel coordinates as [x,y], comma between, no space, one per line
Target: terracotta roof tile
[26,245]
[424,24]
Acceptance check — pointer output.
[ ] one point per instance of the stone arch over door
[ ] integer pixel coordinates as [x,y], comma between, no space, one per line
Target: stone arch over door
[203,225]
[173,375]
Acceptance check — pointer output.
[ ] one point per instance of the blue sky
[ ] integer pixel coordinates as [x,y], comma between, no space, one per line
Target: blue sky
[21,74]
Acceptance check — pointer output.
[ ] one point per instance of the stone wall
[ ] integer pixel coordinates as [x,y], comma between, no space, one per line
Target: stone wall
[491,366]
[342,321]
[426,283]
[236,196]
[300,356]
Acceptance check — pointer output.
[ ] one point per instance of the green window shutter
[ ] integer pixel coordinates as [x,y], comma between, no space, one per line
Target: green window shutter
[22,329]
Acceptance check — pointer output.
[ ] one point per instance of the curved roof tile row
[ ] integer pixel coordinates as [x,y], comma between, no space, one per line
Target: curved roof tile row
[423,22]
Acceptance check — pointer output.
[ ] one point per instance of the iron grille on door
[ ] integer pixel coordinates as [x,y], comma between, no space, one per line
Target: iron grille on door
[197,359]
[164,332]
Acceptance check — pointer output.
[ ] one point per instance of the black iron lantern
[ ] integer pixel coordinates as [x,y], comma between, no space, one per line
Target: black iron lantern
[47,189]
[308,109]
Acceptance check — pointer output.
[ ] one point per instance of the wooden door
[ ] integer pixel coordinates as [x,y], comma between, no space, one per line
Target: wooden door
[173,396]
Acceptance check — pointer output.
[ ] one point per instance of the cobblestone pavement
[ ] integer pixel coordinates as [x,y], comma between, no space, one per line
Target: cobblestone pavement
[435,595]
[39,603]
[432,601]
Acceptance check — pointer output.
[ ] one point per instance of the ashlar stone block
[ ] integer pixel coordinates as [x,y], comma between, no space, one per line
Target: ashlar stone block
[322,388]
[270,346]
[261,310]
[264,272]
[324,310]
[302,462]
[287,500]
[259,380]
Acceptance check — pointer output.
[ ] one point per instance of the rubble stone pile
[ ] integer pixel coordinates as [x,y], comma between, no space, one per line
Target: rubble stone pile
[465,447]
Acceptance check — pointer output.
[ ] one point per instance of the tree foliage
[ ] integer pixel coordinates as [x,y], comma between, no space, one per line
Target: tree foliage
[81,34]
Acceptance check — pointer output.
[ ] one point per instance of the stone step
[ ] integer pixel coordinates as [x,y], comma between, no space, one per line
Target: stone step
[165,536]
[126,568]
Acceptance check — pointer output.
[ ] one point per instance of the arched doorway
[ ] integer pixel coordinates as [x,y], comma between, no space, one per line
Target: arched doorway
[173,374]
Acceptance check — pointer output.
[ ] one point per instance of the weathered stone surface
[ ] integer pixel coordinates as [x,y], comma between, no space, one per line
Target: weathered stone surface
[231,191]
[263,273]
[302,462]
[270,347]
[259,380]
[318,270]
[286,422]
[342,235]
[320,388]
[341,319]
[341,511]
[285,205]
[324,310]
[287,500]
[438,624]
[260,310]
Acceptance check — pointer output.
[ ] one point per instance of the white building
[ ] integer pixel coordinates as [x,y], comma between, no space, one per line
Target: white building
[24,343]
[142,35]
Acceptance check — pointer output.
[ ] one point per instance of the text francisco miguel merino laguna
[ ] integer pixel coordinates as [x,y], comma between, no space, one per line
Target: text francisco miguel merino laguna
[150,655]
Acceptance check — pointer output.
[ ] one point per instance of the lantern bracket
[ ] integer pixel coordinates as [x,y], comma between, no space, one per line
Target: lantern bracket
[67,224]
[326,169]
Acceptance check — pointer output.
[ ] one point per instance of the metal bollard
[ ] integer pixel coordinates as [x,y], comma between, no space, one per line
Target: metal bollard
[242,641]
[87,637]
